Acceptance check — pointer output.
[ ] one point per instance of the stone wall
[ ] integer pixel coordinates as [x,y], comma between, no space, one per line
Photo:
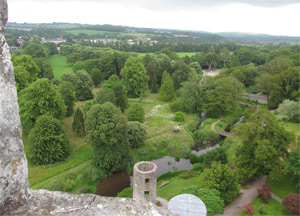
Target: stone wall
[13,164]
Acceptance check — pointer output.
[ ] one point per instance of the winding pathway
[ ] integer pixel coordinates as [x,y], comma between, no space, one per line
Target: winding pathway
[221,132]
[246,196]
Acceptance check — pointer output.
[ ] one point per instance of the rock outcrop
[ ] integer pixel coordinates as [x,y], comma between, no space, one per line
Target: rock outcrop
[13,164]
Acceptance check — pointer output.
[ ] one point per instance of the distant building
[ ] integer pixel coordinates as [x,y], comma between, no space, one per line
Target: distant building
[20,41]
[13,49]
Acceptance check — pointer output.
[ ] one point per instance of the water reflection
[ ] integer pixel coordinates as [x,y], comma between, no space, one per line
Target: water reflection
[167,163]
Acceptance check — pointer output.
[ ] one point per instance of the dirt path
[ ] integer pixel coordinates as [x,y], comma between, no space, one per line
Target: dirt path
[277,198]
[244,198]
[213,124]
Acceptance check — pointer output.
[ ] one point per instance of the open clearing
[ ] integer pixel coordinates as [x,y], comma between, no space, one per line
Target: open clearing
[60,66]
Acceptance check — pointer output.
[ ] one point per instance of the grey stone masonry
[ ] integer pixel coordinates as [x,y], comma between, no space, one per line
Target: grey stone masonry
[144,181]
[13,164]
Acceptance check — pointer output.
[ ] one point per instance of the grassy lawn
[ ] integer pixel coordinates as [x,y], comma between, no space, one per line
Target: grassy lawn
[271,208]
[281,184]
[60,66]
[86,31]
[37,174]
[182,54]
[231,151]
[176,185]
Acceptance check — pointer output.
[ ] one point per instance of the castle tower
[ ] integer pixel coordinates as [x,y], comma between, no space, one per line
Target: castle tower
[144,181]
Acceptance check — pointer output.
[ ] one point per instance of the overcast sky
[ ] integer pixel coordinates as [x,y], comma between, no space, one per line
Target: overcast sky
[277,17]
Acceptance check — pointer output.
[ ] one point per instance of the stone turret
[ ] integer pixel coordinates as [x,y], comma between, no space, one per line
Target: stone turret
[13,164]
[144,181]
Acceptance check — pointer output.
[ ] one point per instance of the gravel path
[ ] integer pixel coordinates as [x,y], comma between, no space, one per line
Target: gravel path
[244,198]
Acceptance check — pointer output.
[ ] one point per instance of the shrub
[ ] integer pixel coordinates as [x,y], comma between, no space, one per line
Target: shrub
[248,209]
[136,113]
[193,158]
[292,203]
[179,117]
[127,193]
[218,154]
[264,192]
[136,134]
[48,142]
[211,198]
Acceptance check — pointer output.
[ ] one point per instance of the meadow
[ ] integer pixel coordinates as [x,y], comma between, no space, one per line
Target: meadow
[60,66]
[86,31]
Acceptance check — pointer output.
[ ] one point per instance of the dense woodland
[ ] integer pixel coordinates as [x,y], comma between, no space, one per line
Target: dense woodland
[112,86]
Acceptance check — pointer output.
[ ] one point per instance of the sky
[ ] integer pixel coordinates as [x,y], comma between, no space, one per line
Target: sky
[275,17]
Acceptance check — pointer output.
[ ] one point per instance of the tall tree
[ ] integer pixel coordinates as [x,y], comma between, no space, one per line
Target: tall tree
[210,59]
[78,122]
[40,98]
[67,91]
[225,55]
[167,92]
[134,77]
[106,131]
[83,86]
[48,141]
[264,142]
[121,100]
[223,179]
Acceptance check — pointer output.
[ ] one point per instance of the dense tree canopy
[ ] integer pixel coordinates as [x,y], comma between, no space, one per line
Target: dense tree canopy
[106,131]
[134,77]
[48,142]
[83,86]
[67,91]
[264,142]
[223,179]
[211,198]
[136,134]
[40,98]
[290,109]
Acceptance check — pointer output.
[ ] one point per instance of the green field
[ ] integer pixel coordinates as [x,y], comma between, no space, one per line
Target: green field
[182,54]
[60,66]
[86,31]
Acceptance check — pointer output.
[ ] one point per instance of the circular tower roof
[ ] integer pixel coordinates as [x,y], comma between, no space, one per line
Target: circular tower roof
[187,205]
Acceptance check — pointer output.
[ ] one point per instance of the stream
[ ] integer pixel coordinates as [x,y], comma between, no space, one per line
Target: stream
[112,185]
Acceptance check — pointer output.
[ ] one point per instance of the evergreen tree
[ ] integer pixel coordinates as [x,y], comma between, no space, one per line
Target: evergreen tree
[154,85]
[136,113]
[223,179]
[67,91]
[121,100]
[106,131]
[48,141]
[134,77]
[78,122]
[167,92]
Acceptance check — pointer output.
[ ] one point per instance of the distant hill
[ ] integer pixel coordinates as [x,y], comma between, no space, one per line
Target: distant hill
[181,35]
[238,37]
